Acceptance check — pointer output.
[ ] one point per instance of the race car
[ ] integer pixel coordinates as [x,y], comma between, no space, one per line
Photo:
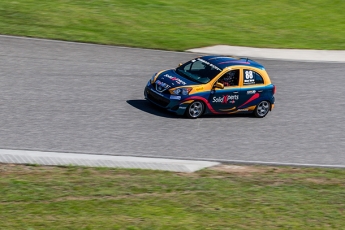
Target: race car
[213,85]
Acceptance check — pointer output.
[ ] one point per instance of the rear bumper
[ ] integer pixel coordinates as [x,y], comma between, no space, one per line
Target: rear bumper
[272,103]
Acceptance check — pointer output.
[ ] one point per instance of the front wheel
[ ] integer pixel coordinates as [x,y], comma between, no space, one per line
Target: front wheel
[195,109]
[262,109]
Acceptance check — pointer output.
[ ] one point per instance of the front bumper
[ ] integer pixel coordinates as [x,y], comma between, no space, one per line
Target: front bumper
[172,103]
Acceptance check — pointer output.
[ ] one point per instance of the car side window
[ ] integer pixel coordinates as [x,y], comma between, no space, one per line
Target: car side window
[230,78]
[251,77]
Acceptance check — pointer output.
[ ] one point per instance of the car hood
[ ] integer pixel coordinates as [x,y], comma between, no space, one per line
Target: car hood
[171,78]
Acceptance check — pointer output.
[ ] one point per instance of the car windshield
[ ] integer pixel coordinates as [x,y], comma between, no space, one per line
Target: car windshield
[198,70]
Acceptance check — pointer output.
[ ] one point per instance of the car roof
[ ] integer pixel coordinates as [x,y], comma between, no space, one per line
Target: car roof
[225,61]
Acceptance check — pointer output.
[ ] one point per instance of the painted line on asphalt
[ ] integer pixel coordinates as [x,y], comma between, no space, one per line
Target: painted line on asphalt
[244,162]
[278,163]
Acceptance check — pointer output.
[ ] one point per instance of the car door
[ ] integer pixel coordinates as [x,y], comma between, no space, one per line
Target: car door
[226,100]
[252,89]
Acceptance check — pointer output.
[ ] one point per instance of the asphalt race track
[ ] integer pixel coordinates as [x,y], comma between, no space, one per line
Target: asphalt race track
[82,98]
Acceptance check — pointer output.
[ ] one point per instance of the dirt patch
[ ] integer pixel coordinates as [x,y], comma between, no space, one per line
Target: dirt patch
[254,169]
[242,169]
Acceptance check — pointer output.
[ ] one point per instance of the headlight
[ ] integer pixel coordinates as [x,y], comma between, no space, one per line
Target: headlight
[181,91]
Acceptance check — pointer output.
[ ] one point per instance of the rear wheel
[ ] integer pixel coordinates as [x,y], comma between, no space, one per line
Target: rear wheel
[195,109]
[262,109]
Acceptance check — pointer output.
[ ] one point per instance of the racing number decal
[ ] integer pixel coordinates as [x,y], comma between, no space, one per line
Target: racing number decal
[248,78]
[249,74]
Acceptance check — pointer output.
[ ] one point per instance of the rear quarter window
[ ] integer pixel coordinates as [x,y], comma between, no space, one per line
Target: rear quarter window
[251,77]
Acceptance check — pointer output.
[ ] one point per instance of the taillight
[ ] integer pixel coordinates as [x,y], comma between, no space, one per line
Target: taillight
[274,89]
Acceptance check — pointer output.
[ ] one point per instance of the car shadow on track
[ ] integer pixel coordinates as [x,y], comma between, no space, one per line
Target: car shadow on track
[228,116]
[148,107]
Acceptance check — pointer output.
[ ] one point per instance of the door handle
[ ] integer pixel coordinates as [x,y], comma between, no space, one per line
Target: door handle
[236,92]
[260,91]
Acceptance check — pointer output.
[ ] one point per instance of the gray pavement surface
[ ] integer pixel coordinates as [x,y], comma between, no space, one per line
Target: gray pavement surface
[88,99]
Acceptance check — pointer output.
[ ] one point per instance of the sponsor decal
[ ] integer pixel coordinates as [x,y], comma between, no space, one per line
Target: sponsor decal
[210,64]
[251,92]
[175,97]
[177,80]
[225,99]
[242,110]
[198,89]
[162,84]
[182,107]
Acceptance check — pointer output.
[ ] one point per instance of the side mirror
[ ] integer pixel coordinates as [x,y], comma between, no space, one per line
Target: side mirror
[179,64]
[219,85]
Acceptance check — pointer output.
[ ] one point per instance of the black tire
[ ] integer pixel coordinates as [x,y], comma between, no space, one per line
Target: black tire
[195,109]
[262,109]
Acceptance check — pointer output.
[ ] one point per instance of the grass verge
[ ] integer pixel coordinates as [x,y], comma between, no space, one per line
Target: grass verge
[226,197]
[180,24]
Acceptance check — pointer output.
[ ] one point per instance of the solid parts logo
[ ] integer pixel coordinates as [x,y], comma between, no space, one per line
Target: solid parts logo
[225,99]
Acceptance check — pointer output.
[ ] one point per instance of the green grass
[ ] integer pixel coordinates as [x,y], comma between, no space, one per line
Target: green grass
[180,24]
[241,197]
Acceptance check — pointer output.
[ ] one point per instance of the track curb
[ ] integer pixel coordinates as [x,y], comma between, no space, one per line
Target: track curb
[90,160]
[334,56]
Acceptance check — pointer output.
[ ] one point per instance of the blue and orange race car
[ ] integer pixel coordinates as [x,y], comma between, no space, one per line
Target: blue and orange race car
[213,85]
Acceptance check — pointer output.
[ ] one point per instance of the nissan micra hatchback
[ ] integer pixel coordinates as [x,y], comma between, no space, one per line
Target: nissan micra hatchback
[213,85]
